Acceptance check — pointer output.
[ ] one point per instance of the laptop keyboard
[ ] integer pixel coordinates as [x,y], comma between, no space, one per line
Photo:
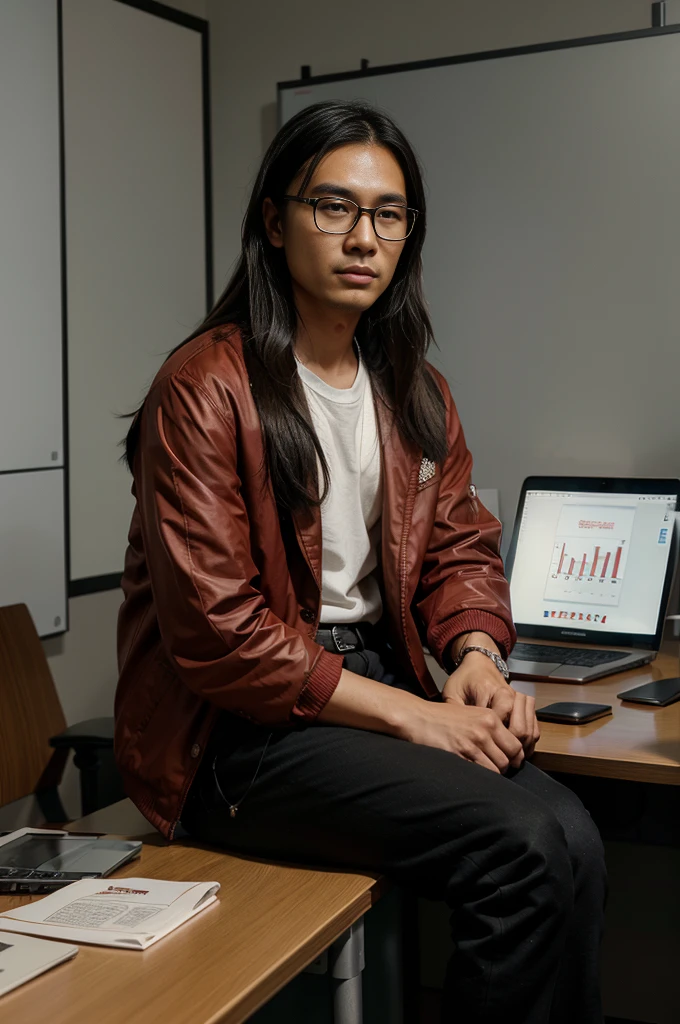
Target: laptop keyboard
[565,655]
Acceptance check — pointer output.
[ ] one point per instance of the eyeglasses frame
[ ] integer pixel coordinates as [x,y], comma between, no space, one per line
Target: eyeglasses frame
[360,211]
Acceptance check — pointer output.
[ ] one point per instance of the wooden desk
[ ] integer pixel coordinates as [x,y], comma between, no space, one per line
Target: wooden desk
[269,923]
[272,921]
[638,743]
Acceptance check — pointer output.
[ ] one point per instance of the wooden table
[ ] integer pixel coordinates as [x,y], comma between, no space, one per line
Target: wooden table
[272,921]
[638,743]
[269,923]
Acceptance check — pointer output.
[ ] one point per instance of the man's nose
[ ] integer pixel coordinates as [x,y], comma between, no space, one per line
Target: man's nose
[362,233]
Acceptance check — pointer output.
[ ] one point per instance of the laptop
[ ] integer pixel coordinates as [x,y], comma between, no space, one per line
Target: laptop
[590,567]
[42,860]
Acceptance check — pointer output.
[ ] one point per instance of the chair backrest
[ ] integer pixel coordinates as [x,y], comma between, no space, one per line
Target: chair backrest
[30,711]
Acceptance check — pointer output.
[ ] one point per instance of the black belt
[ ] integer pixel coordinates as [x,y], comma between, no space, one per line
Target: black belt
[342,638]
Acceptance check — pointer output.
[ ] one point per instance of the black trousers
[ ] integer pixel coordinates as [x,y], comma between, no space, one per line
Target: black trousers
[516,857]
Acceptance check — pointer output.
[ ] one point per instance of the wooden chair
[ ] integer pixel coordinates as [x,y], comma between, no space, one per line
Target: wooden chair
[34,740]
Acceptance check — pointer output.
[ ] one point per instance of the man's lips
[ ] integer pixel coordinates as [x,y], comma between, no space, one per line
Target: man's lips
[358,275]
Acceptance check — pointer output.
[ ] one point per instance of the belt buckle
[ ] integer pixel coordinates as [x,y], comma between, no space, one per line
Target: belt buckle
[340,644]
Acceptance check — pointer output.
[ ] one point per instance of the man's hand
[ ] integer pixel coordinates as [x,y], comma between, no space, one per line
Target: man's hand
[475,734]
[478,682]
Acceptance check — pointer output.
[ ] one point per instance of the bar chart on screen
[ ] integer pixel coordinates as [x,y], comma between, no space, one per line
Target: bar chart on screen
[589,555]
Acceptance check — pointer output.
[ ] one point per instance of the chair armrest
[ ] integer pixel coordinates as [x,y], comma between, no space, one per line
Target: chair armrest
[95,733]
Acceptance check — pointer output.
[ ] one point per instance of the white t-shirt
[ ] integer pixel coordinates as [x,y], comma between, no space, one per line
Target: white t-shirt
[345,424]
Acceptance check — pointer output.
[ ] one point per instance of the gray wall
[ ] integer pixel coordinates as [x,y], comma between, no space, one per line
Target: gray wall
[83,661]
[135,182]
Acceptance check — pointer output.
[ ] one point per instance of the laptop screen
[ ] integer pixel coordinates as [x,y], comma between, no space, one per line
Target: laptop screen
[592,562]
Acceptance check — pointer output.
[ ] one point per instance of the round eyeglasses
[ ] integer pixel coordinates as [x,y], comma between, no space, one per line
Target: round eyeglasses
[338,216]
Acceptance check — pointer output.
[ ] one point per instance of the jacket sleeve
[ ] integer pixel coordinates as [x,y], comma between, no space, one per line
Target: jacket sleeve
[462,585]
[224,642]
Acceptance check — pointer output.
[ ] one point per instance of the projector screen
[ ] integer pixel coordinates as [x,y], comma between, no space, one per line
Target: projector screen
[551,260]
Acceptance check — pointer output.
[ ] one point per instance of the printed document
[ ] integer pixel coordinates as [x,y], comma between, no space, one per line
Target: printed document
[132,913]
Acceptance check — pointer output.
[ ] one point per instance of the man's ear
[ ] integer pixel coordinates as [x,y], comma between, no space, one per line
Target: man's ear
[272,223]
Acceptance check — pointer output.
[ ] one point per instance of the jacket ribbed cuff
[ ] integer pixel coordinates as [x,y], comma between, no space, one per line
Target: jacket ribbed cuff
[320,685]
[471,621]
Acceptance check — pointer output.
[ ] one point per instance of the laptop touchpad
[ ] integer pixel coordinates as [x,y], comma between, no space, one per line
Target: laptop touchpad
[575,672]
[532,668]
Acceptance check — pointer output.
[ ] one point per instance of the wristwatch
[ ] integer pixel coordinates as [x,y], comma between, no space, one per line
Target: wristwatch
[496,659]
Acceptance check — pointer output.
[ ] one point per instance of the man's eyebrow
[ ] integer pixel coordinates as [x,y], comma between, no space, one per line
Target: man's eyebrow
[328,188]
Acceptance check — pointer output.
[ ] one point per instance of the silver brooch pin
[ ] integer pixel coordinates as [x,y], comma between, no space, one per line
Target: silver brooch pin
[427,470]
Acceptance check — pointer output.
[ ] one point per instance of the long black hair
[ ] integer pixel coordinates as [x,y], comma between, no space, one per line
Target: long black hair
[394,334]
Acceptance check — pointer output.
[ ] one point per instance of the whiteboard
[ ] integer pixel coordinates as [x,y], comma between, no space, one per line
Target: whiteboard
[32,559]
[136,241]
[551,262]
[32,456]
[31,413]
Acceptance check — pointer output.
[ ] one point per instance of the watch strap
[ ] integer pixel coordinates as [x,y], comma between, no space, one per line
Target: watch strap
[495,658]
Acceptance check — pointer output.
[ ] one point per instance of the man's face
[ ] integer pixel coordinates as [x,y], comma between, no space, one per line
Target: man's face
[320,263]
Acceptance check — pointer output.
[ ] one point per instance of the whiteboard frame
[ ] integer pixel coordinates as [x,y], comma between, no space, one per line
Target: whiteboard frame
[112,581]
[469,58]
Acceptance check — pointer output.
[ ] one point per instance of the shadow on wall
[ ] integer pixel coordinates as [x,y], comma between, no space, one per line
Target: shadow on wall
[268,125]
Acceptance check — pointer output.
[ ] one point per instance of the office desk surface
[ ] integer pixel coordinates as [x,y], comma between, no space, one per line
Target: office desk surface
[638,743]
[271,921]
[268,924]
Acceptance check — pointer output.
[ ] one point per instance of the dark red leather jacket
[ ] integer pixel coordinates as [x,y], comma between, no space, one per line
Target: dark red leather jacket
[222,596]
